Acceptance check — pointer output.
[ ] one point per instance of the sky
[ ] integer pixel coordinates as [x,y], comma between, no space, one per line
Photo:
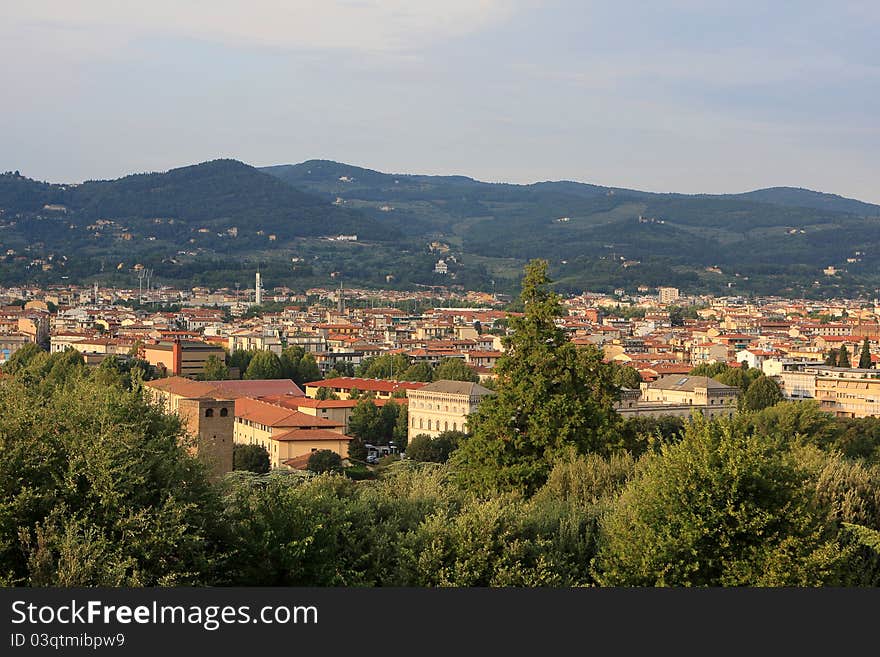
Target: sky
[691,96]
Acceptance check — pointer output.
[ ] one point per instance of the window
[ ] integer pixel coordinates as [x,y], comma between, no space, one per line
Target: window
[209,412]
[224,412]
[420,423]
[445,425]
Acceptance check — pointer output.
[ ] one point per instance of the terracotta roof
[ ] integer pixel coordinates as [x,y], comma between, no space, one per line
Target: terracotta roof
[258,387]
[457,388]
[276,416]
[298,462]
[375,385]
[310,434]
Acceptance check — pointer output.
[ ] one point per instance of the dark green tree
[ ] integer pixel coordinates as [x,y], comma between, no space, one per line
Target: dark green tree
[626,376]
[241,359]
[401,427]
[324,460]
[550,395]
[843,358]
[324,393]
[308,370]
[253,458]
[290,359]
[357,449]
[215,370]
[831,358]
[264,365]
[455,369]
[865,356]
[434,450]
[386,366]
[417,372]
[763,393]
[366,422]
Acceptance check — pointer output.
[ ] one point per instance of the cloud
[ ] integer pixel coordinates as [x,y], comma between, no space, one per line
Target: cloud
[371,25]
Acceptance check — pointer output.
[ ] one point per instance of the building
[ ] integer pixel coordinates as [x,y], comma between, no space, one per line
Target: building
[288,436]
[343,386]
[182,357]
[699,393]
[208,419]
[12,342]
[441,267]
[667,294]
[209,422]
[443,406]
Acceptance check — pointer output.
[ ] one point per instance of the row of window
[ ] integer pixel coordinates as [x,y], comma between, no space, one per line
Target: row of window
[209,412]
[436,407]
[436,425]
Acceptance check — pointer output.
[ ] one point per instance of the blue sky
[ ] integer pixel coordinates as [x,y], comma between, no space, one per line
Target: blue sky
[686,96]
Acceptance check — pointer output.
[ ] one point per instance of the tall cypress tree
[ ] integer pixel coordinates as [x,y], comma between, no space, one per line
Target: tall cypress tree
[551,395]
[865,356]
[843,359]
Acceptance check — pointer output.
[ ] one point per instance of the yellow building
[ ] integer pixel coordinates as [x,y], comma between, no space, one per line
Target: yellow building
[287,435]
[691,393]
[443,406]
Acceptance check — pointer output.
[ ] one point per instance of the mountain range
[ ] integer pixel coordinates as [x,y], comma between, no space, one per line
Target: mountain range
[214,223]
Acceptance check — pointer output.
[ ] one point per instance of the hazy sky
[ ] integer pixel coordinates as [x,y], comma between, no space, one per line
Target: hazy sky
[686,96]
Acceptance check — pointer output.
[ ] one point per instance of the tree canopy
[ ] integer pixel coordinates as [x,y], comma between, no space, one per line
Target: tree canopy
[550,394]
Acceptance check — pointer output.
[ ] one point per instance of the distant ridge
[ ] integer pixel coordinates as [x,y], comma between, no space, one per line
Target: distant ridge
[320,170]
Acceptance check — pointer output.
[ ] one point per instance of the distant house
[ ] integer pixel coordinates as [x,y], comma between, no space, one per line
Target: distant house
[441,267]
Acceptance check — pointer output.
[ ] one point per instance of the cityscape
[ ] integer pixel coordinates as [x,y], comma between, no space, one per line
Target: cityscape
[309,310]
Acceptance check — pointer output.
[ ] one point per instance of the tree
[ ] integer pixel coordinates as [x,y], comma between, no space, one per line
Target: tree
[865,356]
[324,460]
[357,449]
[417,372]
[112,496]
[22,358]
[626,376]
[241,359]
[388,421]
[455,369]
[434,450]
[386,366]
[215,369]
[324,393]
[308,370]
[365,422]
[709,369]
[253,458]
[264,365]
[401,428]
[763,393]
[290,359]
[723,507]
[843,359]
[550,394]
[831,358]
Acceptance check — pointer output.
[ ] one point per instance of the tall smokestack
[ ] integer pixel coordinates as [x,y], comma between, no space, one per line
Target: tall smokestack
[259,296]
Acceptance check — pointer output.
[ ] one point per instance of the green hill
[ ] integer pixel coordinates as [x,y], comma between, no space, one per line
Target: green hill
[214,223]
